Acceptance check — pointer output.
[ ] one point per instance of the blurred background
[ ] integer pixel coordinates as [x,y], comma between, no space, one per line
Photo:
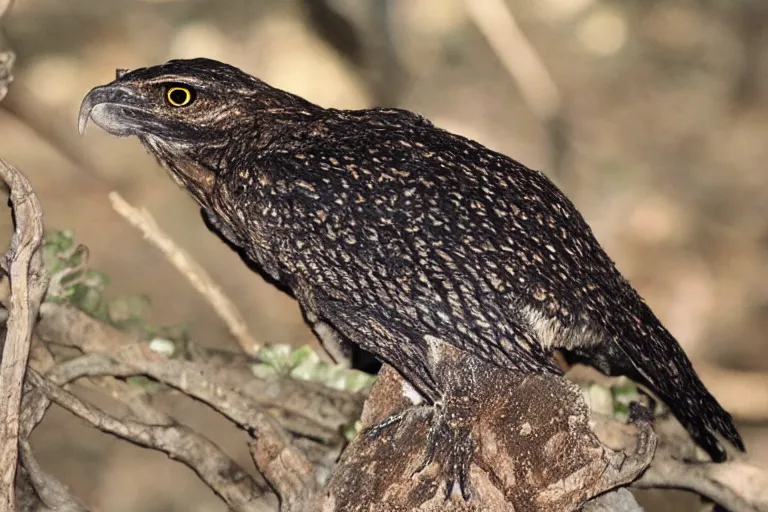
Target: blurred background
[652,115]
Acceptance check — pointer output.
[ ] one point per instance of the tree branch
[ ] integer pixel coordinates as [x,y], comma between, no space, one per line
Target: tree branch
[287,470]
[304,409]
[736,484]
[51,492]
[220,473]
[28,282]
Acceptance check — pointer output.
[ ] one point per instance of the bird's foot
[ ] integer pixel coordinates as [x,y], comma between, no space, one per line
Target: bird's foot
[375,431]
[449,442]
[450,445]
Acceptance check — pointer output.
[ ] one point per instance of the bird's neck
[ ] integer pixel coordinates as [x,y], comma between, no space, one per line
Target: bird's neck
[188,173]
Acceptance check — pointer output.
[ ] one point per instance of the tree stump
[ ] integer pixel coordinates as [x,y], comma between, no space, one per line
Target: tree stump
[534,449]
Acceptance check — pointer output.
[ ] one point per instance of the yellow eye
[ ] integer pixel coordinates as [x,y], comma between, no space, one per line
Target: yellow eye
[179,96]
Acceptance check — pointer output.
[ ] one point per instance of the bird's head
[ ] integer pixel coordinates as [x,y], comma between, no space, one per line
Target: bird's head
[190,114]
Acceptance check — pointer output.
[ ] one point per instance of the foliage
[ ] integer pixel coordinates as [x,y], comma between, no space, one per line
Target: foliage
[304,364]
[612,400]
[74,283]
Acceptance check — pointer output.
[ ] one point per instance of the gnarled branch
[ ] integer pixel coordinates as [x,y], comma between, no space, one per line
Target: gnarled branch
[28,282]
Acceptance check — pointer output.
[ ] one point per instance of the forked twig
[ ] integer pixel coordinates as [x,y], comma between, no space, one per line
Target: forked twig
[222,475]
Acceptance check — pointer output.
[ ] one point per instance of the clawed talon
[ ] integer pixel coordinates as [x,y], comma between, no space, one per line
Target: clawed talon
[450,445]
[639,413]
[378,429]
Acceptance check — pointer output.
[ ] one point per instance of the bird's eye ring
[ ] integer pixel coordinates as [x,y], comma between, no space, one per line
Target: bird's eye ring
[178,96]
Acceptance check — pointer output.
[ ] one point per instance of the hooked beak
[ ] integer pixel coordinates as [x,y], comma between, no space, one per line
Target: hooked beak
[115,108]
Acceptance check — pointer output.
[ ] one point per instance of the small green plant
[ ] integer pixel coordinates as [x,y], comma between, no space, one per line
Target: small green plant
[74,283]
[304,364]
[624,391]
[612,400]
[71,281]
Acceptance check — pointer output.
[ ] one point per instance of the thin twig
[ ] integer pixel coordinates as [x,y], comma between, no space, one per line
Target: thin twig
[212,465]
[737,486]
[195,274]
[284,466]
[28,284]
[517,54]
[523,63]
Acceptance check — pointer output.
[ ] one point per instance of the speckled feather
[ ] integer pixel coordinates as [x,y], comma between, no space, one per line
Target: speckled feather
[400,235]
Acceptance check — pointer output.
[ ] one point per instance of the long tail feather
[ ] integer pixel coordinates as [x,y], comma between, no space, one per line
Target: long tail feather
[655,360]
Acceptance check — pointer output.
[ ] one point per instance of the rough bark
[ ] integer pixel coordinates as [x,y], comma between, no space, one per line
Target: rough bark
[534,450]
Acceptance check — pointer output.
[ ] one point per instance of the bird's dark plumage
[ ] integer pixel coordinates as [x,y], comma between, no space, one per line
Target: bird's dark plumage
[397,235]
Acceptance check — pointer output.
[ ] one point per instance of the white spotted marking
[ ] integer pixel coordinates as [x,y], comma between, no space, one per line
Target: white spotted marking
[553,334]
[411,394]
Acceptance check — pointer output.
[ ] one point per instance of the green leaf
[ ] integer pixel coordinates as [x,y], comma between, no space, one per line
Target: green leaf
[302,355]
[358,381]
[276,356]
[351,430]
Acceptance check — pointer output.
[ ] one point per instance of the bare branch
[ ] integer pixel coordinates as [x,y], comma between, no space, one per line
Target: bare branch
[736,484]
[195,274]
[272,449]
[285,468]
[28,284]
[53,494]
[196,380]
[313,411]
[219,472]
[36,402]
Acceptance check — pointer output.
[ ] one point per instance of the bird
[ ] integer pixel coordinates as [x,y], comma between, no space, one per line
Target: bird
[398,236]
